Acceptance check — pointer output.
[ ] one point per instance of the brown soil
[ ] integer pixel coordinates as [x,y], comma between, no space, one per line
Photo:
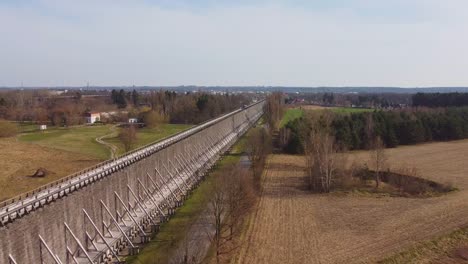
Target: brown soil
[292,225]
[20,160]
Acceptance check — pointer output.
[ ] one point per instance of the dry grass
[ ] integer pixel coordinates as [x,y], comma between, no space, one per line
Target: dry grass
[19,160]
[61,151]
[450,248]
[293,226]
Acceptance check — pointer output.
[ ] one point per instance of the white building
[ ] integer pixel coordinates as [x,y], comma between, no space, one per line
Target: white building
[42,127]
[92,118]
[132,120]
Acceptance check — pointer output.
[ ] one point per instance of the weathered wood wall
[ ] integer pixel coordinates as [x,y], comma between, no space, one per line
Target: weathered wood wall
[20,238]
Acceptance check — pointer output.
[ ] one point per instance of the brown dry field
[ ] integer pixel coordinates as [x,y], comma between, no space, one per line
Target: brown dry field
[18,160]
[291,225]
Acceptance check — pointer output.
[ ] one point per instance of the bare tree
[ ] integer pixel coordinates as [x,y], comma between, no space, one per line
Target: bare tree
[153,119]
[259,146]
[378,159]
[40,115]
[217,209]
[274,110]
[240,196]
[284,137]
[232,196]
[128,137]
[321,154]
[326,161]
[321,160]
[191,249]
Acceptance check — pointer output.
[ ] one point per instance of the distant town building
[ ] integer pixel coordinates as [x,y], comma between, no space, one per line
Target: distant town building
[92,118]
[133,120]
[42,127]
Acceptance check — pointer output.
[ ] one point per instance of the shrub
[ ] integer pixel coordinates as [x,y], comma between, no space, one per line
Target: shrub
[128,137]
[415,187]
[153,119]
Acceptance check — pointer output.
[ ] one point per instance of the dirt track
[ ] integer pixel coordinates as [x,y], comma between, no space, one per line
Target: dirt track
[294,226]
[112,148]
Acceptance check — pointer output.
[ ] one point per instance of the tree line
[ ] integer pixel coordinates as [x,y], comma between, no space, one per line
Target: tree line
[373,100]
[68,108]
[403,127]
[235,188]
[440,99]
[186,108]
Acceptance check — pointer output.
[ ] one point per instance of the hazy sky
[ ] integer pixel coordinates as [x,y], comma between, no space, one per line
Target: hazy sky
[256,42]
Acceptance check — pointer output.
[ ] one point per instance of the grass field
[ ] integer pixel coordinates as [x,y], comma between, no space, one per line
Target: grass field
[74,139]
[292,225]
[82,139]
[339,110]
[291,114]
[312,107]
[27,127]
[172,233]
[148,135]
[350,110]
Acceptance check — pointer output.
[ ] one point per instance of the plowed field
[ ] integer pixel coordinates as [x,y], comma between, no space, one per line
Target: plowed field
[292,225]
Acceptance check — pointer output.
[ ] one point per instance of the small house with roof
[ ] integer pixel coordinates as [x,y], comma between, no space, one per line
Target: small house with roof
[92,117]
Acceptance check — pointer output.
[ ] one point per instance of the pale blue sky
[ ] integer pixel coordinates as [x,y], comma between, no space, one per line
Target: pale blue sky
[259,42]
